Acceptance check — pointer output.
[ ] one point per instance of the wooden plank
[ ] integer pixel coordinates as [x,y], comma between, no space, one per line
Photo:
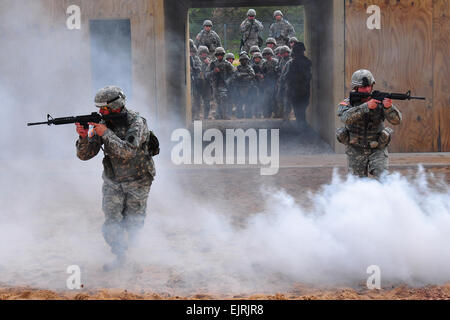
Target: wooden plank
[441,74]
[400,57]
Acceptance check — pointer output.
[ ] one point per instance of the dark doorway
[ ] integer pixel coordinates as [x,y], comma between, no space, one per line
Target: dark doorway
[111,53]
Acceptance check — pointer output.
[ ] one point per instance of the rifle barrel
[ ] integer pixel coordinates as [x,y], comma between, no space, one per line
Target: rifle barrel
[37,123]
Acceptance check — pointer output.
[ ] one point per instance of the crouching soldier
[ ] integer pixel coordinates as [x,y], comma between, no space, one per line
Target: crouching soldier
[128,169]
[364,135]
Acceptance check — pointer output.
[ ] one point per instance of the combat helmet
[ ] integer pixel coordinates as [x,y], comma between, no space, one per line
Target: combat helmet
[277,50]
[277,13]
[284,49]
[293,39]
[203,49]
[257,55]
[219,51]
[111,97]
[243,56]
[229,55]
[254,49]
[362,78]
[271,40]
[251,13]
[207,23]
[268,51]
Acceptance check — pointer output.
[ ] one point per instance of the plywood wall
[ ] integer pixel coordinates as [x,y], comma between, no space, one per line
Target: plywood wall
[409,52]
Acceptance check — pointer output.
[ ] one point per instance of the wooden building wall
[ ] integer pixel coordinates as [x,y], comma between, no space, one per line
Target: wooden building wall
[409,52]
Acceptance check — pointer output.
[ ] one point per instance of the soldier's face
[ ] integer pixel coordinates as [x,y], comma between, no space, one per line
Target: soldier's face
[257,60]
[291,44]
[367,89]
[105,110]
[251,17]
[207,28]
[244,62]
[270,45]
[204,55]
[278,17]
[268,57]
[231,60]
[219,57]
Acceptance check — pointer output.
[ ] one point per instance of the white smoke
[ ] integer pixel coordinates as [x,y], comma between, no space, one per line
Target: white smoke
[51,216]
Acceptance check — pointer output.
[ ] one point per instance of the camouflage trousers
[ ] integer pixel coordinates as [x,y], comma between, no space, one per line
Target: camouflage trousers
[124,205]
[362,161]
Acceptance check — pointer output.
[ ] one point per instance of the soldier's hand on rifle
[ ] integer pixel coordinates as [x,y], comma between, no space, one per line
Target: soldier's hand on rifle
[82,132]
[387,103]
[99,128]
[372,104]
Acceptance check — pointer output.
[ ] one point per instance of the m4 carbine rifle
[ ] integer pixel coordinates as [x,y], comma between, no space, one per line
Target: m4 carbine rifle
[356,97]
[84,120]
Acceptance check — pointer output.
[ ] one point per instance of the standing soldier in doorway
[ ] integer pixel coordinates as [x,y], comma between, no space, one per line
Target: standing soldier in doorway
[283,107]
[256,64]
[297,77]
[128,170]
[204,81]
[245,77]
[364,135]
[281,29]
[250,29]
[221,73]
[208,37]
[269,70]
[195,65]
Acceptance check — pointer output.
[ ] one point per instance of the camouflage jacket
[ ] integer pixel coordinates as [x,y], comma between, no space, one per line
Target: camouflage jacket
[250,31]
[269,69]
[281,30]
[257,67]
[205,73]
[221,79]
[125,148]
[245,76]
[365,125]
[208,39]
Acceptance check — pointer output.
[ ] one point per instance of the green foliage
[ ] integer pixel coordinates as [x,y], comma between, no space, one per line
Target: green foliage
[226,22]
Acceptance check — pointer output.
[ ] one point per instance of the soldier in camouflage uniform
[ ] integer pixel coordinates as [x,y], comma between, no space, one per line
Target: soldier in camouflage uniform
[128,170]
[270,73]
[250,29]
[208,38]
[281,29]
[271,43]
[292,42]
[256,64]
[221,72]
[254,49]
[204,81]
[244,79]
[283,106]
[364,135]
[195,65]
[232,90]
[296,77]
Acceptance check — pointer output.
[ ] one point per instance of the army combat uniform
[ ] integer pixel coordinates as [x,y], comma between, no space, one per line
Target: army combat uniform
[364,134]
[128,174]
[220,83]
[210,39]
[250,30]
[281,30]
[245,83]
[270,72]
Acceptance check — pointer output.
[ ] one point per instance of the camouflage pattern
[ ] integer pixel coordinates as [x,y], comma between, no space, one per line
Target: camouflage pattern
[220,82]
[258,94]
[244,79]
[362,78]
[254,49]
[195,65]
[366,147]
[204,85]
[110,96]
[128,173]
[250,31]
[281,31]
[210,39]
[283,108]
[270,72]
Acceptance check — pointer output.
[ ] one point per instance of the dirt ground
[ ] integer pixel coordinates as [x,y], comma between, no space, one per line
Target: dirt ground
[298,175]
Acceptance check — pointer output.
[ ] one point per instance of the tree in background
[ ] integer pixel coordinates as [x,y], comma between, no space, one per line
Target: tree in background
[229,19]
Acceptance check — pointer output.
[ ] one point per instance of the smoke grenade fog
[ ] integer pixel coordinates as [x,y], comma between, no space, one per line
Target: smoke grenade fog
[51,205]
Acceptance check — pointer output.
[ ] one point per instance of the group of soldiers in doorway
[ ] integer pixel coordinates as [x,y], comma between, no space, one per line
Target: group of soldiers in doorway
[266,83]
